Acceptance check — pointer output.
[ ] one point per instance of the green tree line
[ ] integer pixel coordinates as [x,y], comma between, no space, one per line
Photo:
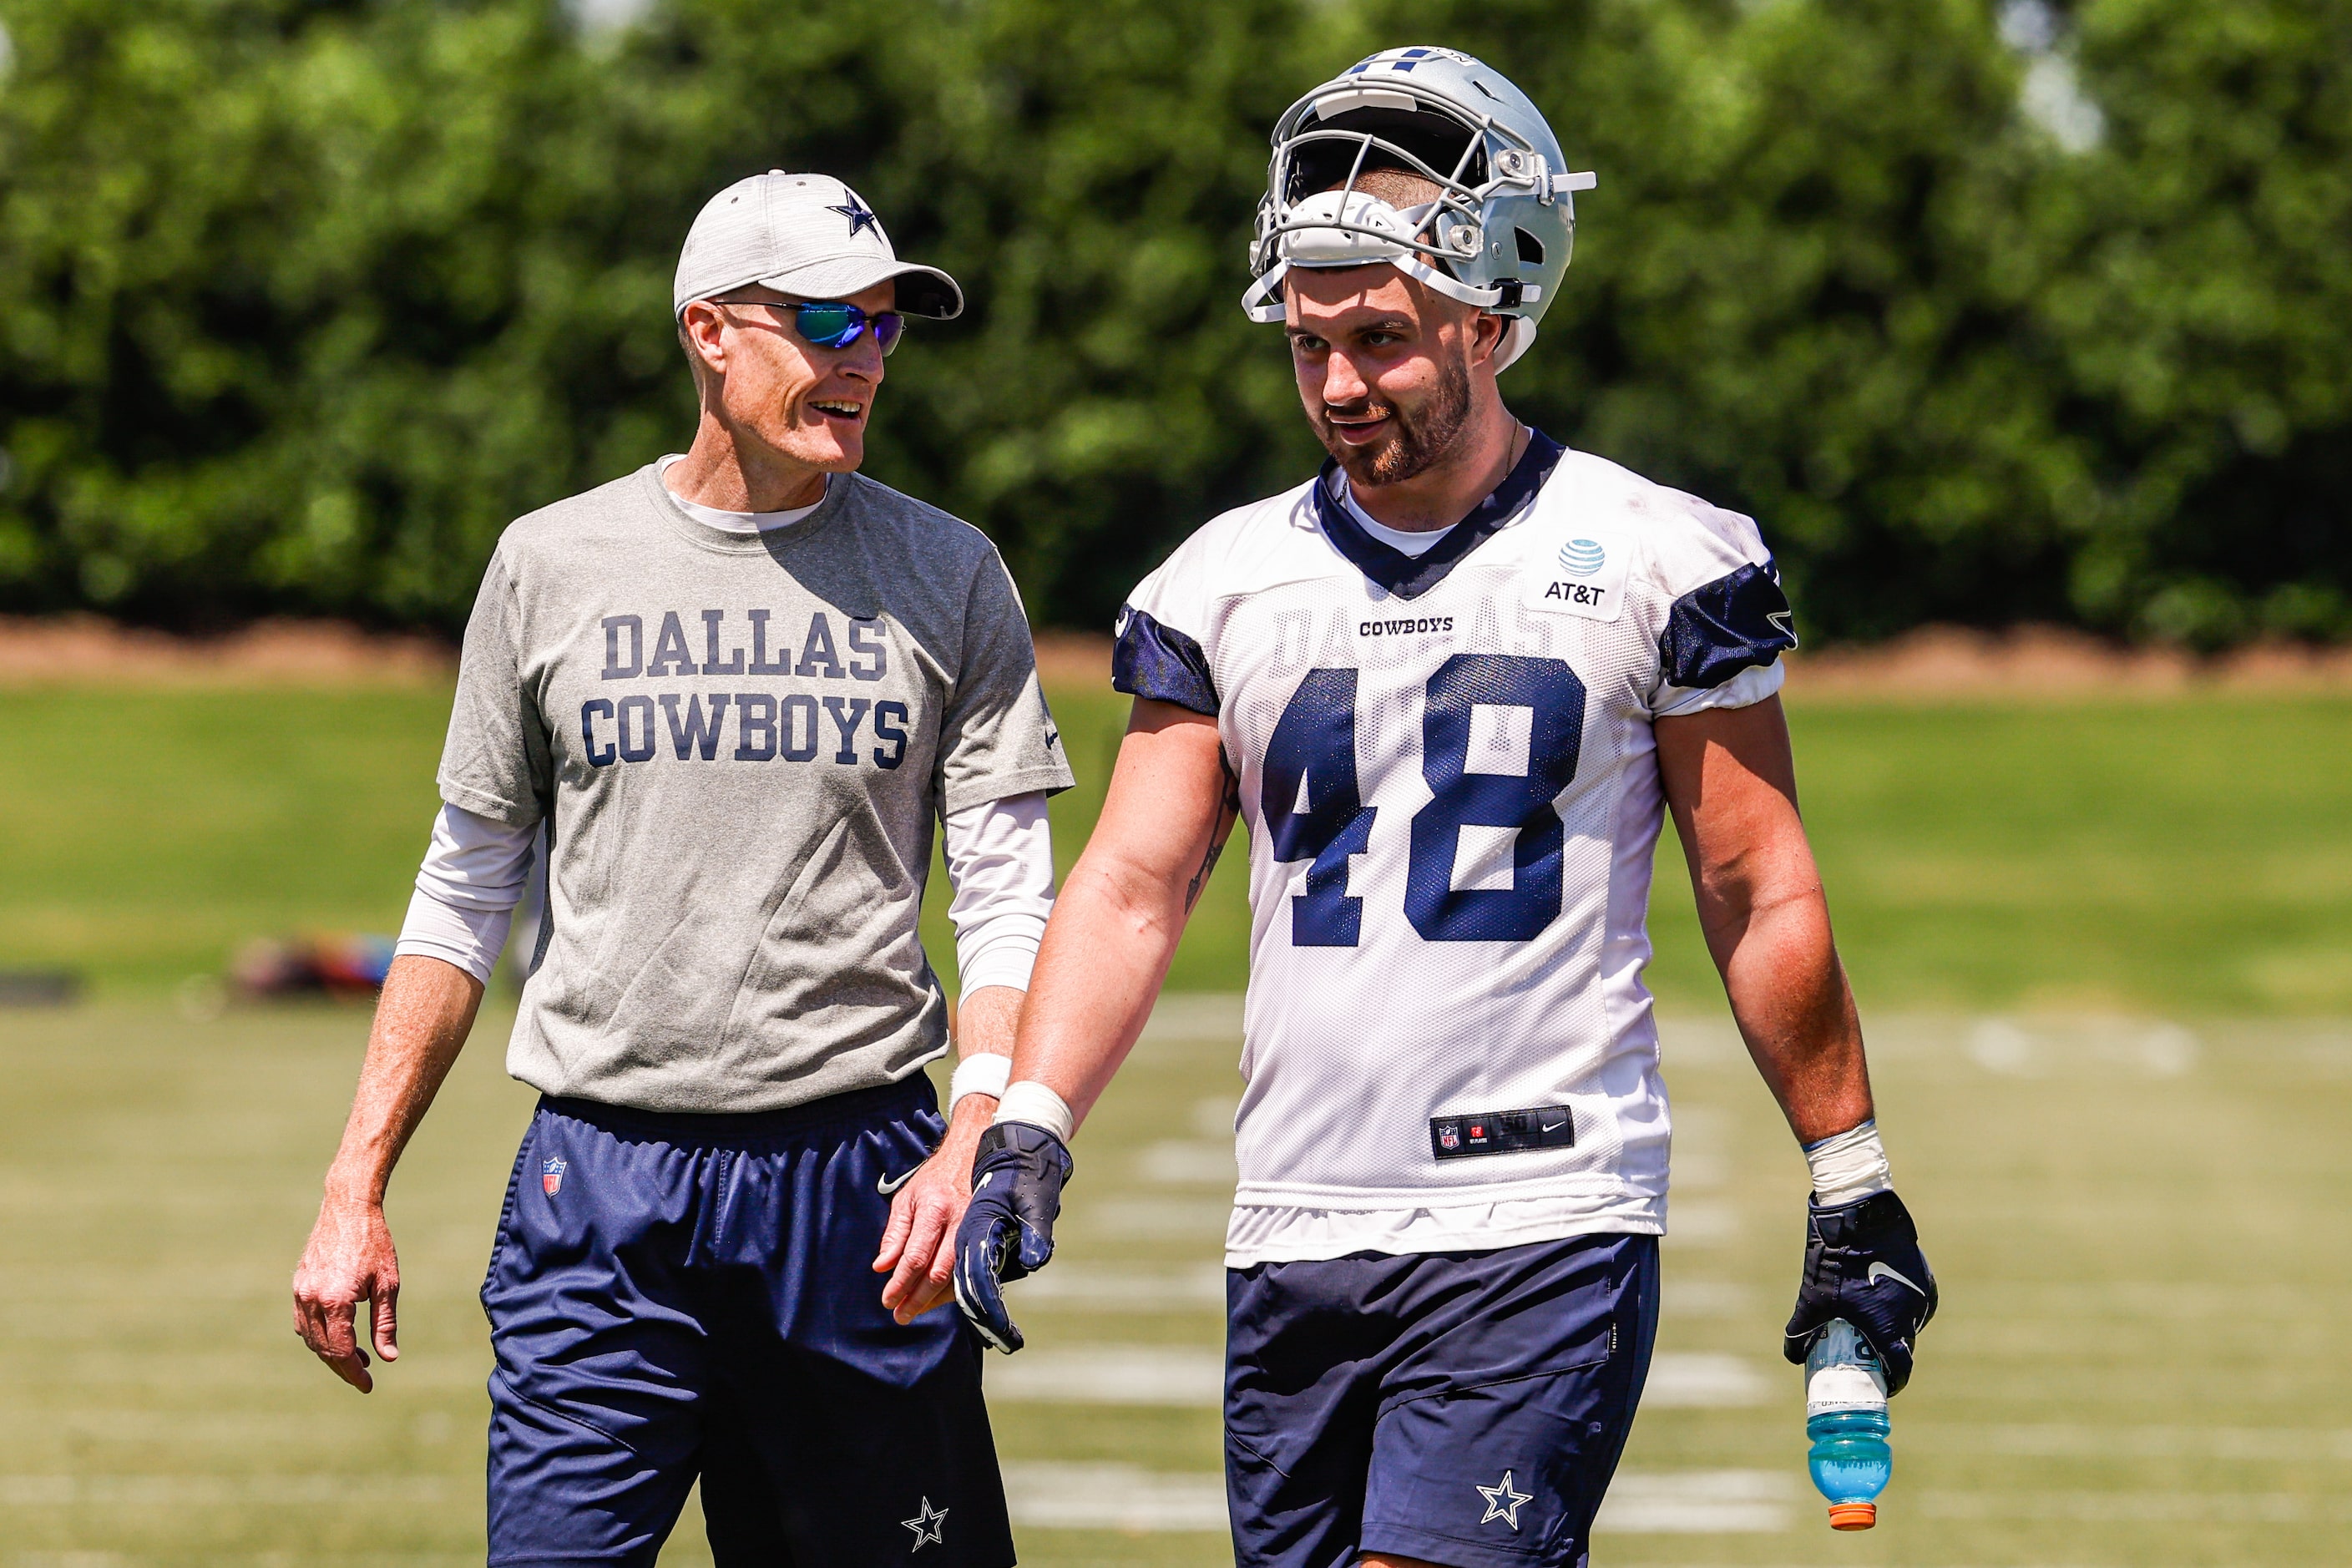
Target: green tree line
[1989,312]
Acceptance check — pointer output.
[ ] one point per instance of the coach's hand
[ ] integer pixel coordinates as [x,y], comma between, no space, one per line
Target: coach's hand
[918,1244]
[1862,1263]
[349,1259]
[1008,1231]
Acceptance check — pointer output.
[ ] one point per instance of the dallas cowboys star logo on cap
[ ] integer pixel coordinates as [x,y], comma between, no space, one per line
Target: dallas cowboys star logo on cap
[860,217]
[929,1522]
[1502,1501]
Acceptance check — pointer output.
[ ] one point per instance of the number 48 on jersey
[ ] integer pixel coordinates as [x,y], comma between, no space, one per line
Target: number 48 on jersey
[1314,812]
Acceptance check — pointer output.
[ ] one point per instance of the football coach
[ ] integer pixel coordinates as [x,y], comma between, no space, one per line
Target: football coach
[734,691]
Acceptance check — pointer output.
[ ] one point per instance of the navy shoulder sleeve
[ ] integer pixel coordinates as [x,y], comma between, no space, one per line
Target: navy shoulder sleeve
[1161,663]
[1722,627]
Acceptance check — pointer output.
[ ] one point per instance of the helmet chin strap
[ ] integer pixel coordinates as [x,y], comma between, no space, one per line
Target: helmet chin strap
[1262,303]
[1519,336]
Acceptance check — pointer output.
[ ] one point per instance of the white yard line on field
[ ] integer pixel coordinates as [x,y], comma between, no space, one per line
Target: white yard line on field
[1700,1223]
[1707,1380]
[1097,1289]
[1195,1376]
[2150,1508]
[1187,1016]
[2261,1444]
[1124,1496]
[309,1559]
[1189,1162]
[2013,1049]
[1112,1375]
[1201,1220]
[1708,1298]
[1203,1288]
[201,1492]
[1696,1502]
[1113,1497]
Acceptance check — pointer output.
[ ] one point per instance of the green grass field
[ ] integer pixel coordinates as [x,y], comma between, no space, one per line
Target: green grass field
[2187,856]
[2104,951]
[2143,1239]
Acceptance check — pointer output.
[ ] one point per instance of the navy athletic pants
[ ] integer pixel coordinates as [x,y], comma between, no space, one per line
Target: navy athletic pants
[677,1297]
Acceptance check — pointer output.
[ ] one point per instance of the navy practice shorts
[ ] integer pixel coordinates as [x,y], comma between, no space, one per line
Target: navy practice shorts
[1463,1407]
[681,1297]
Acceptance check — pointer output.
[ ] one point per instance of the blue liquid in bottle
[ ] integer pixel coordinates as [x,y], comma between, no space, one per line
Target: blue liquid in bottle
[1845,1420]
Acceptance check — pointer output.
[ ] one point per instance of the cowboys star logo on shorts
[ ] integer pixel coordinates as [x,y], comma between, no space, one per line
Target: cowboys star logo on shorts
[928,1525]
[1502,1500]
[551,1175]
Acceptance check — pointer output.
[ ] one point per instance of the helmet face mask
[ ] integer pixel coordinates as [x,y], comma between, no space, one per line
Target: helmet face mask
[1497,235]
[1336,145]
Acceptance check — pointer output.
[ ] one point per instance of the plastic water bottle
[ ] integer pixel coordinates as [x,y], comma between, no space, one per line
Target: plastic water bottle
[1846,1418]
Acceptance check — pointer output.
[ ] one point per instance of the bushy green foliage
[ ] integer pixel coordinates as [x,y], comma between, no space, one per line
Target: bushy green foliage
[1987,315]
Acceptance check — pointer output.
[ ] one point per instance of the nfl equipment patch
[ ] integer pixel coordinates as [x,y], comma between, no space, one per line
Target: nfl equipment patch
[550,1176]
[1498,1132]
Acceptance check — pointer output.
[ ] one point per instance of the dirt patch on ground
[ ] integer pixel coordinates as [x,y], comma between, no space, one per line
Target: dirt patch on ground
[2052,663]
[1074,661]
[86,650]
[1947,663]
[1932,664]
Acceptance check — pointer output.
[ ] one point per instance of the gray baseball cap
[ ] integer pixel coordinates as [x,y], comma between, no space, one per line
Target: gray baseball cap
[807,234]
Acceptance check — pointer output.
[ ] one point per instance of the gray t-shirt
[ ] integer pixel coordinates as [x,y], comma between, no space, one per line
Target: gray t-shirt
[740,743]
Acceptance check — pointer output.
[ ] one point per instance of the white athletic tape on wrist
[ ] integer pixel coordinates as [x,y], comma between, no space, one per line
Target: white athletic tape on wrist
[1849,1167]
[1032,1102]
[982,1072]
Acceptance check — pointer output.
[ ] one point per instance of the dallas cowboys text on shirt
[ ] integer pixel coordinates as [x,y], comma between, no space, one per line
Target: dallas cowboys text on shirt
[767,725]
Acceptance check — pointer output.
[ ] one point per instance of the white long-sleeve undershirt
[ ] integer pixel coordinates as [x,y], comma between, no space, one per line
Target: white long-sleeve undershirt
[999,856]
[475,872]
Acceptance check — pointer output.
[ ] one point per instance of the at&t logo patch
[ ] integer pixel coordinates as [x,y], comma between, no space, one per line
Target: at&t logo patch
[1585,578]
[1582,557]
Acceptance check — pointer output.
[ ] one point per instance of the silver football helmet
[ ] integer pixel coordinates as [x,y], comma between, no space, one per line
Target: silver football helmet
[1498,234]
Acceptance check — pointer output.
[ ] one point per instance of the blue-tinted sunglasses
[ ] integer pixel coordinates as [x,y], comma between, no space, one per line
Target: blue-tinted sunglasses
[835,323]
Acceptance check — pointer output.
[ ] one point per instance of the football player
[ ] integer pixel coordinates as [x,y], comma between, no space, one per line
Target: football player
[1448,687]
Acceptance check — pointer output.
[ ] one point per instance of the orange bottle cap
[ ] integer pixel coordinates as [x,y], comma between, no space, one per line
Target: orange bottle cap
[1853,1515]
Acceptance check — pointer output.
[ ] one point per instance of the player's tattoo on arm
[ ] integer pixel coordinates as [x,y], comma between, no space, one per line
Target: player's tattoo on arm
[1229,811]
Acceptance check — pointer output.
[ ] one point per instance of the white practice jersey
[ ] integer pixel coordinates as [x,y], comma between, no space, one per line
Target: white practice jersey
[1449,781]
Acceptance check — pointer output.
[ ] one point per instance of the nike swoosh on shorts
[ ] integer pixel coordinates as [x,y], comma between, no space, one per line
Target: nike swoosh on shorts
[888,1184]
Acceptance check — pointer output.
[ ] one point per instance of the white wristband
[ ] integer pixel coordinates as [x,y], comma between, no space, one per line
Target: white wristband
[1032,1102]
[1849,1167]
[982,1072]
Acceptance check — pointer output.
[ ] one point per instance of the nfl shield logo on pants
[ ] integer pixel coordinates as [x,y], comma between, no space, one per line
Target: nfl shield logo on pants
[550,1176]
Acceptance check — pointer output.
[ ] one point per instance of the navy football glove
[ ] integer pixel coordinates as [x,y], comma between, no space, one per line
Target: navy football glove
[1862,1263]
[1008,1231]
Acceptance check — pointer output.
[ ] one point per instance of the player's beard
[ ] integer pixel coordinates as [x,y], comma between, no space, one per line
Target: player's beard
[1422,438]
